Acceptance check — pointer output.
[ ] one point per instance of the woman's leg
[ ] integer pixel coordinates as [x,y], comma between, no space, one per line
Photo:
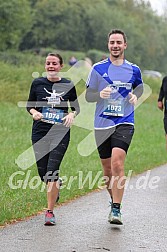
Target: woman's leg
[55,158]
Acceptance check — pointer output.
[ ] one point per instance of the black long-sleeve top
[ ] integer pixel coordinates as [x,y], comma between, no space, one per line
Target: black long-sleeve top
[38,99]
[163,93]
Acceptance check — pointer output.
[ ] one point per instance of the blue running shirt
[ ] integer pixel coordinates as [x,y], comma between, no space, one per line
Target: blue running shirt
[122,79]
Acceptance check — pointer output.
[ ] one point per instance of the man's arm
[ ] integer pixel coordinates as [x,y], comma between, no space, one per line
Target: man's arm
[92,95]
[161,92]
[161,96]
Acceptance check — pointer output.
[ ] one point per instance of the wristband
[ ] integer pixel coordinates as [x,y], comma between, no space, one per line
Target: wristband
[74,112]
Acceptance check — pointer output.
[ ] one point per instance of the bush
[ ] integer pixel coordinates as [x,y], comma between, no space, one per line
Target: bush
[20,58]
[36,55]
[96,55]
[154,84]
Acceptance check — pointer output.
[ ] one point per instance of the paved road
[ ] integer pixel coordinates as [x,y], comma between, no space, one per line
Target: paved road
[82,224]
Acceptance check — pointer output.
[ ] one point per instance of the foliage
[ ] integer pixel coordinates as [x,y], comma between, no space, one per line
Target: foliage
[83,25]
[14,19]
[96,55]
[31,57]
[154,84]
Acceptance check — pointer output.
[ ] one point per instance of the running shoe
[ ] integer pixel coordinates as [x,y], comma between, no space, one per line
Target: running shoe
[109,216]
[115,217]
[60,184]
[49,218]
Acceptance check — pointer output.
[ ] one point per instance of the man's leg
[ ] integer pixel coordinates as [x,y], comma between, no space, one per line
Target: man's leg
[113,169]
[117,184]
[165,128]
[166,140]
[118,176]
[106,164]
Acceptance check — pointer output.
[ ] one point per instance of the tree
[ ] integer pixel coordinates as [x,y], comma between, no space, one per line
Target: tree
[15,22]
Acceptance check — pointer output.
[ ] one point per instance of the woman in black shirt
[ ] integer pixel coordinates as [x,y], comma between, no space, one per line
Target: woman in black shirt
[48,104]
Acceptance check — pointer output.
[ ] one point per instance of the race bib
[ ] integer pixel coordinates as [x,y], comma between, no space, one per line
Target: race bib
[114,107]
[52,115]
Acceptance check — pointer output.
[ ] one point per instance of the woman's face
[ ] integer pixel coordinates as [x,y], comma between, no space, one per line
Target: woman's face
[52,65]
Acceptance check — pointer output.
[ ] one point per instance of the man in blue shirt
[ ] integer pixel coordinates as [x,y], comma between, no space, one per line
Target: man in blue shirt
[114,84]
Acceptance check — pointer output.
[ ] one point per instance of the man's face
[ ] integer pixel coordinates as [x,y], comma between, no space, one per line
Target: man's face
[116,45]
[52,65]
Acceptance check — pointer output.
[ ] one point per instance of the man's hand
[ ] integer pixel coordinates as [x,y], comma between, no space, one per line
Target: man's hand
[160,105]
[105,93]
[133,98]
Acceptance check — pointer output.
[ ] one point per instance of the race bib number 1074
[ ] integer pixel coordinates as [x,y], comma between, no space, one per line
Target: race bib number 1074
[52,115]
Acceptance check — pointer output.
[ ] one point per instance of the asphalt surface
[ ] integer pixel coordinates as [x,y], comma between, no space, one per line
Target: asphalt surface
[82,224]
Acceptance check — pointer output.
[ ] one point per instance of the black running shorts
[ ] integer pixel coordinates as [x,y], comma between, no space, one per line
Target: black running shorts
[119,136]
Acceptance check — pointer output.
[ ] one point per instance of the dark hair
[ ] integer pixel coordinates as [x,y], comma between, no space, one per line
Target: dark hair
[56,55]
[118,31]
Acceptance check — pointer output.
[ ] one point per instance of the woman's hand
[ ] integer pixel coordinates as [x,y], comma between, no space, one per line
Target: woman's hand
[69,119]
[37,116]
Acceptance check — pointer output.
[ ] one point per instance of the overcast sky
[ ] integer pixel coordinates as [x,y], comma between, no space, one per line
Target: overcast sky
[158,5]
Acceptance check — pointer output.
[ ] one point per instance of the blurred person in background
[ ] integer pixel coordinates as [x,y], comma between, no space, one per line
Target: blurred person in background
[162,103]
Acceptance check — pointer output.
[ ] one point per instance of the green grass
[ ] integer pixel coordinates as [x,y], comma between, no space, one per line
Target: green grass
[148,145]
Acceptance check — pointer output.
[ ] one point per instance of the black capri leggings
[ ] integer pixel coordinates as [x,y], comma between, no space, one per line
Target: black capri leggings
[49,154]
